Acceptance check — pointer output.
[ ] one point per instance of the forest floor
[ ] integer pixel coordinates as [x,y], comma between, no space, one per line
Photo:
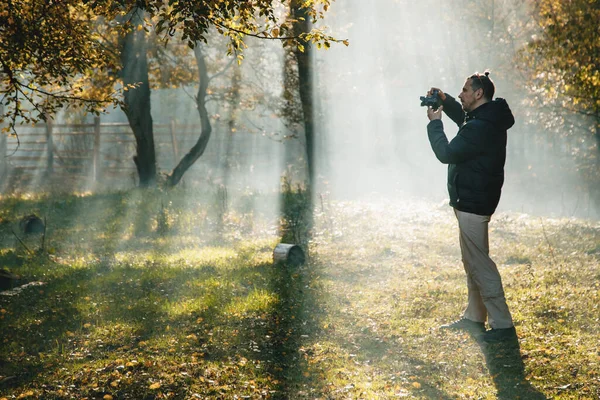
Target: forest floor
[122,304]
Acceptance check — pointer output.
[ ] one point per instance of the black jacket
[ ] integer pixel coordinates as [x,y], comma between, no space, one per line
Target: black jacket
[476,155]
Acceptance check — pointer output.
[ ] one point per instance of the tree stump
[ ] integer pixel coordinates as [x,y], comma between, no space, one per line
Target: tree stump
[7,280]
[289,254]
[32,224]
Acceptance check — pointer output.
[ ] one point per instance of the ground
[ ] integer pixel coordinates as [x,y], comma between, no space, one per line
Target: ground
[130,296]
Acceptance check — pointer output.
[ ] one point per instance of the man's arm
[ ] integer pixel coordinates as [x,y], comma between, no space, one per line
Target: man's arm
[462,148]
[454,110]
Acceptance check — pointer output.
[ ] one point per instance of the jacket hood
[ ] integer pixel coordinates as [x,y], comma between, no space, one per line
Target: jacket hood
[496,111]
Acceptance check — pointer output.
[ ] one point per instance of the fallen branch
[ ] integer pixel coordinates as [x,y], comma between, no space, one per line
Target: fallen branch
[22,244]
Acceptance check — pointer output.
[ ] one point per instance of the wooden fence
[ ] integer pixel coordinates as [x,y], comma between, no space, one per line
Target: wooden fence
[93,151]
[84,155]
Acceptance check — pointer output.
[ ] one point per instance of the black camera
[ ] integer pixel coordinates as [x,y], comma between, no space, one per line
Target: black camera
[432,101]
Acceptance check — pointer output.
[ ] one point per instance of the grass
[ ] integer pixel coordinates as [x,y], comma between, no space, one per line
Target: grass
[199,311]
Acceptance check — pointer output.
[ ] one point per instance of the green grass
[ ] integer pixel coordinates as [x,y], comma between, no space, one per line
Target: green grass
[199,311]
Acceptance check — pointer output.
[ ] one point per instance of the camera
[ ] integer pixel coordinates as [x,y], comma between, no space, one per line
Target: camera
[432,101]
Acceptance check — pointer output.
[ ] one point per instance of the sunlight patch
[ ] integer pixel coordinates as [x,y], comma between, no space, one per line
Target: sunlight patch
[257,301]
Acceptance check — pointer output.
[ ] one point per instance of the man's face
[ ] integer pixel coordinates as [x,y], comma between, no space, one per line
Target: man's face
[468,97]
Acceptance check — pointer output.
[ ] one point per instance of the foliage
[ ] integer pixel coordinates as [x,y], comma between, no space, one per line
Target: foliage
[561,71]
[44,47]
[54,54]
[562,57]
[235,19]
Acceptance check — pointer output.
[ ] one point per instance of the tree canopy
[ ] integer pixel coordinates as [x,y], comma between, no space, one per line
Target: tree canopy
[43,47]
[563,57]
[50,51]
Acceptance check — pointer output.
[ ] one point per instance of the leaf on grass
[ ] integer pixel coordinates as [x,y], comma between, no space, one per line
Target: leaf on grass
[416,385]
[155,386]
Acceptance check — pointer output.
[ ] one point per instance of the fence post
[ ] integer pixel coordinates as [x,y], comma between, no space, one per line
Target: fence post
[50,146]
[97,168]
[174,142]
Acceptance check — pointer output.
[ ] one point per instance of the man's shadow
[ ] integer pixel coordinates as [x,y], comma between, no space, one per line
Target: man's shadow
[505,364]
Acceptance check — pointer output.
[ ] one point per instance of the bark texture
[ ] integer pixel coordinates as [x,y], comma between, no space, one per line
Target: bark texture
[137,100]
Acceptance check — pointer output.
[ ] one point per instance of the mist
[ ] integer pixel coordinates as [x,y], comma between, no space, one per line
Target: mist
[374,138]
[371,136]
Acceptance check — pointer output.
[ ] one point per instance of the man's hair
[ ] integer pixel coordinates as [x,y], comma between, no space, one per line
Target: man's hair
[483,81]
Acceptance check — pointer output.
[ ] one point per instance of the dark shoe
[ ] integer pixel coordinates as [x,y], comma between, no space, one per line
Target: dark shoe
[500,335]
[466,325]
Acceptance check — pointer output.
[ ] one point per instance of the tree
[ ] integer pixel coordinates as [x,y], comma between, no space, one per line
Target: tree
[303,54]
[49,49]
[134,73]
[44,47]
[562,61]
[206,129]
[238,20]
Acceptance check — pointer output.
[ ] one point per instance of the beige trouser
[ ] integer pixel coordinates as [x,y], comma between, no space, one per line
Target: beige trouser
[486,295]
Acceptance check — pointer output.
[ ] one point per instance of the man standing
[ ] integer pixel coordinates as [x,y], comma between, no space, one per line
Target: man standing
[475,159]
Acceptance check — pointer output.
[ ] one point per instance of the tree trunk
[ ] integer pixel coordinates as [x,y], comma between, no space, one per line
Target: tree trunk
[305,86]
[137,99]
[598,134]
[297,206]
[234,102]
[195,152]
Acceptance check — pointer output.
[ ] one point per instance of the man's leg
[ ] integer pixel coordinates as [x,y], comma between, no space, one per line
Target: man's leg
[475,310]
[482,273]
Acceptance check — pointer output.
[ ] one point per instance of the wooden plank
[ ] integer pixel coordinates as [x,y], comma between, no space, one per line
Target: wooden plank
[26,158]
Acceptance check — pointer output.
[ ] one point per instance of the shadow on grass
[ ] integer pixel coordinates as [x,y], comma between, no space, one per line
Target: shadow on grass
[505,365]
[292,323]
[124,308]
[36,325]
[272,341]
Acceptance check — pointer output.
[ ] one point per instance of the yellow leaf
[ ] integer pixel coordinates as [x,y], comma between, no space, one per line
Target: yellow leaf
[155,386]
[107,397]
[416,385]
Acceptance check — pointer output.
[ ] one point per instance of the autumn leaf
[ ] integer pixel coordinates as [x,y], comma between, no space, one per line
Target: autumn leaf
[154,386]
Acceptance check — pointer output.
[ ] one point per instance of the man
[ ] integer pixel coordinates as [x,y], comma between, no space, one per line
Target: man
[475,159]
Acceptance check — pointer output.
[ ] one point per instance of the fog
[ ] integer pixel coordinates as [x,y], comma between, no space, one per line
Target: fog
[371,138]
[374,138]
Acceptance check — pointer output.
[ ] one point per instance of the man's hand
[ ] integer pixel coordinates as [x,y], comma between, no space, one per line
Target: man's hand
[435,114]
[441,94]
